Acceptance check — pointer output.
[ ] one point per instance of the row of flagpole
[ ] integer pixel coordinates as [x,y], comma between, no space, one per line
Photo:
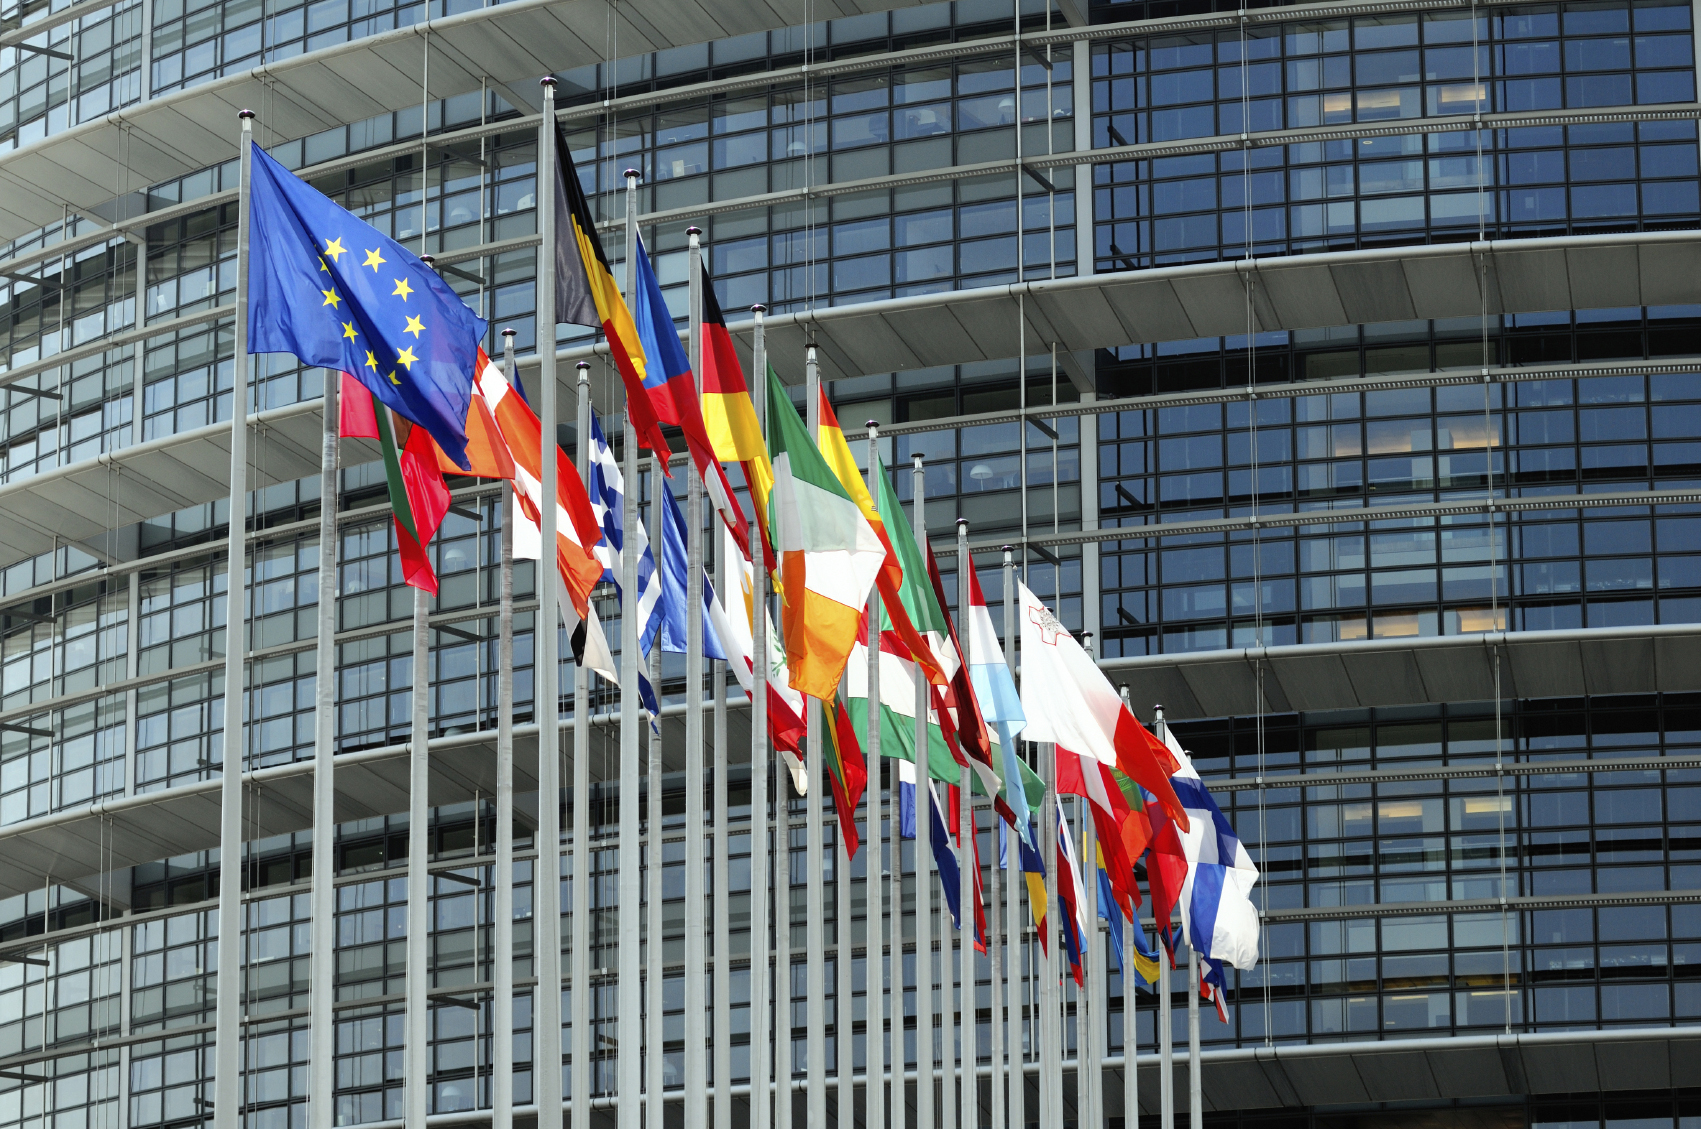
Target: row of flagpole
[1009,984]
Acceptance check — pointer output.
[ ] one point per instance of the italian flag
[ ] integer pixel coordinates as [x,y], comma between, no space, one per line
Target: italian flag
[828,554]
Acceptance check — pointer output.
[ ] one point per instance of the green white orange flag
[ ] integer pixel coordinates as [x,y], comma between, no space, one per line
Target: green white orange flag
[837,452]
[828,553]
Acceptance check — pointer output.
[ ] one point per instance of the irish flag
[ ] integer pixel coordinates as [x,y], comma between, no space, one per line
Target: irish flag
[828,554]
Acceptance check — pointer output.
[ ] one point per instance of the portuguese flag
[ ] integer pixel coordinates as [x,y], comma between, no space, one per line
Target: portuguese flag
[418,495]
[414,467]
[848,771]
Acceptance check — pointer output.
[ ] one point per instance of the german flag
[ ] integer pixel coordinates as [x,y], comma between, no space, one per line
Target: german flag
[729,414]
[586,294]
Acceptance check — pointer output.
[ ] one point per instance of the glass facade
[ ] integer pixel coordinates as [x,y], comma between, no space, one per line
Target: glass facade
[860,160]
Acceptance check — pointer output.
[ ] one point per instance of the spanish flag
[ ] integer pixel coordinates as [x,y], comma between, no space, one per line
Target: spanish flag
[586,294]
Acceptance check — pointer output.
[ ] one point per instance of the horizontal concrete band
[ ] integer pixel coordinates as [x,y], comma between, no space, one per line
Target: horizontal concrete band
[175,134]
[1362,674]
[1182,303]
[1418,1069]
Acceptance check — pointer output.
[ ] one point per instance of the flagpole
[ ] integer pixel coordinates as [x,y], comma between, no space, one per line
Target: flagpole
[761,941]
[1051,1044]
[502,912]
[583,1047]
[815,984]
[874,886]
[321,1104]
[227,1053]
[1015,992]
[720,1035]
[923,854]
[631,1083]
[653,943]
[720,1029]
[1087,1014]
[417,1017]
[1130,1026]
[1166,1005]
[695,1043]
[966,863]
[1195,1096]
[546,677]
[1195,1087]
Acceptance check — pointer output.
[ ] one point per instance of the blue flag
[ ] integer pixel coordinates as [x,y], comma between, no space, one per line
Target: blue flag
[326,286]
[673,573]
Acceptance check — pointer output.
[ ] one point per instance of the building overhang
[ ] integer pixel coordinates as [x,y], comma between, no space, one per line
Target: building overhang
[1414,671]
[114,834]
[176,134]
[1183,303]
[1433,1069]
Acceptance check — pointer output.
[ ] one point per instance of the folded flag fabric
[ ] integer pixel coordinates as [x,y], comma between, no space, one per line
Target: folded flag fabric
[733,619]
[973,739]
[1144,964]
[944,859]
[331,289]
[1073,895]
[674,569]
[1033,871]
[906,799]
[587,294]
[828,553]
[954,818]
[1093,782]
[577,530]
[1069,701]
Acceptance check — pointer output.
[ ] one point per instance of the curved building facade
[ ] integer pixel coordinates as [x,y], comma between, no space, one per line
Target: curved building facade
[1334,365]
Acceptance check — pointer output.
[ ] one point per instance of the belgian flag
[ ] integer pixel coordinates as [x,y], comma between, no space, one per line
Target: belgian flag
[586,294]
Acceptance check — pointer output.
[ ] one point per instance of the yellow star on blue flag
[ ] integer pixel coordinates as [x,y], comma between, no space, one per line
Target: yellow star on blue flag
[359,321]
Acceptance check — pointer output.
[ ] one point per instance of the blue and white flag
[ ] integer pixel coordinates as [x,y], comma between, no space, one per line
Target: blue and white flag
[906,798]
[607,489]
[1217,915]
[673,571]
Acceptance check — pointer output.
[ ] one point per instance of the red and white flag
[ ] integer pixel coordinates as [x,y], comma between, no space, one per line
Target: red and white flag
[1070,702]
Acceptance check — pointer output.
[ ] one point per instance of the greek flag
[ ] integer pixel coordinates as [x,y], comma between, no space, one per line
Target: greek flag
[607,490]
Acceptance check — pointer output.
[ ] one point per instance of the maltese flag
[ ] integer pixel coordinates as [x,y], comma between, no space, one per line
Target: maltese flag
[1069,701]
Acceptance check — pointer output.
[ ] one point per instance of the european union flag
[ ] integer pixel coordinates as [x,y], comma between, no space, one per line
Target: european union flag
[329,288]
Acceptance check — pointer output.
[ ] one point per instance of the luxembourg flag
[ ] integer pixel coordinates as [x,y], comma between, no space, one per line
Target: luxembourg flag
[1000,705]
[1217,915]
